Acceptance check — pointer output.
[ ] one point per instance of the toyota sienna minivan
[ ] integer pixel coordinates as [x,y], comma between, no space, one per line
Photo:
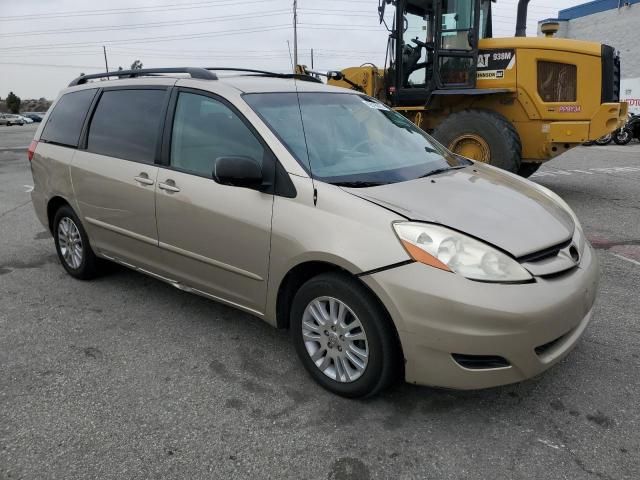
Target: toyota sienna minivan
[320,210]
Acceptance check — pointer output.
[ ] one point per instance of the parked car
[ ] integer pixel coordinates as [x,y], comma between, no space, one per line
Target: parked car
[35,117]
[10,119]
[25,119]
[320,210]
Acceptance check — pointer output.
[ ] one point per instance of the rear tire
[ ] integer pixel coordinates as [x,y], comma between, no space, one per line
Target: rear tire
[604,140]
[528,168]
[494,130]
[72,245]
[335,369]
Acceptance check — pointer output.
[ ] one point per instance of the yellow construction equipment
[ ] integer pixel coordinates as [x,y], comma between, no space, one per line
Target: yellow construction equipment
[511,102]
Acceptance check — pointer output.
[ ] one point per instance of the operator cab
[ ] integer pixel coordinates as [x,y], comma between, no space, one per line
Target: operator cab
[433,46]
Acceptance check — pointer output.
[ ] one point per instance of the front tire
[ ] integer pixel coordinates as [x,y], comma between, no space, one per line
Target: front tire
[482,135]
[72,245]
[622,136]
[343,336]
[528,168]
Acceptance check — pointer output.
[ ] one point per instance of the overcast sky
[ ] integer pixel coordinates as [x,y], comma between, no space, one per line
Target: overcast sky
[46,43]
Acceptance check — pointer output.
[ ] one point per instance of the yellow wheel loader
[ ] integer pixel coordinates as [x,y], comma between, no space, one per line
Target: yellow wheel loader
[511,102]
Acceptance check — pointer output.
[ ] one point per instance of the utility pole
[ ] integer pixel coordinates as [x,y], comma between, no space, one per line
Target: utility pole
[106,65]
[295,35]
[312,59]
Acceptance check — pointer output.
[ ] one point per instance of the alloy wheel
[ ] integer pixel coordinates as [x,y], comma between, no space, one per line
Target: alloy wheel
[335,339]
[70,243]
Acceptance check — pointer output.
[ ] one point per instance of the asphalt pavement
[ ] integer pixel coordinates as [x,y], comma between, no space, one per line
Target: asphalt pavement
[127,377]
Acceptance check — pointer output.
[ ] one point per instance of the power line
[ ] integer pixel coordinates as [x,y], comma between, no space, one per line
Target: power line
[163,38]
[50,65]
[122,50]
[343,26]
[226,18]
[116,11]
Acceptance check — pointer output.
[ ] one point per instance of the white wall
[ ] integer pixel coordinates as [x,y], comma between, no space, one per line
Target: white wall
[630,92]
[619,28]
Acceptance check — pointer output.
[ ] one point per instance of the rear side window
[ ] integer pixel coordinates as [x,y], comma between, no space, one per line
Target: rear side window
[66,119]
[126,124]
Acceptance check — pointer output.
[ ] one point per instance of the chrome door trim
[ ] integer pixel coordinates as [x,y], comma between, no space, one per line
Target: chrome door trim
[180,286]
[121,231]
[189,289]
[210,261]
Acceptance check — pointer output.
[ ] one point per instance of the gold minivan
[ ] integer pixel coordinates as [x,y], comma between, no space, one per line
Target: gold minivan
[320,210]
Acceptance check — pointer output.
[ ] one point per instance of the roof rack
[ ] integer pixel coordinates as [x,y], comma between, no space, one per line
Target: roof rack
[201,73]
[298,76]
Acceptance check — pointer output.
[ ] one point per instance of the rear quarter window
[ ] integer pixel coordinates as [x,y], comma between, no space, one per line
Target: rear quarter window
[65,122]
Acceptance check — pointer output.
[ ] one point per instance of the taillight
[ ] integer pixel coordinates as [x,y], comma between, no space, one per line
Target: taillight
[32,149]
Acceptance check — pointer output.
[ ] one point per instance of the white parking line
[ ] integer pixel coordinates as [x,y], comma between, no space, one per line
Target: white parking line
[589,171]
[550,444]
[28,188]
[580,171]
[13,149]
[622,257]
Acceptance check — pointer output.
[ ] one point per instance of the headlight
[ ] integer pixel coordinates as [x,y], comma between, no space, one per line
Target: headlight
[452,251]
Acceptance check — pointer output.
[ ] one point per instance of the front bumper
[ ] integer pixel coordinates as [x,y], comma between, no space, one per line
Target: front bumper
[438,314]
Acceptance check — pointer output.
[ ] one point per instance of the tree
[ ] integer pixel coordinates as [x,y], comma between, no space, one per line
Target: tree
[136,65]
[13,102]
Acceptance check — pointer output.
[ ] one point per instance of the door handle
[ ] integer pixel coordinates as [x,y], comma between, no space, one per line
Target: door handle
[144,179]
[168,187]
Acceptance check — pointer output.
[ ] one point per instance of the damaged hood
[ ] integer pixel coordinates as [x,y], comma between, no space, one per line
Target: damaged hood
[484,202]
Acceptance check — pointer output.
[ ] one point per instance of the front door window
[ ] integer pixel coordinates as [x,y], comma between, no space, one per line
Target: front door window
[205,129]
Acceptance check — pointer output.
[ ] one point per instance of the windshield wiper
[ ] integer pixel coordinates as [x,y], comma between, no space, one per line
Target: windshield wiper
[359,184]
[441,170]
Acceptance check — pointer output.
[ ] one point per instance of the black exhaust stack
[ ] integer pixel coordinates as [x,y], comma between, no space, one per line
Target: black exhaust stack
[521,20]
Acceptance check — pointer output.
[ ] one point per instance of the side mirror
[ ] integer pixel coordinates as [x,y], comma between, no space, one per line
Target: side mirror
[238,171]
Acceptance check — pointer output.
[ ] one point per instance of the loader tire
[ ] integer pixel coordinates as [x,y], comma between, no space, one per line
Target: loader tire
[482,135]
[528,168]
